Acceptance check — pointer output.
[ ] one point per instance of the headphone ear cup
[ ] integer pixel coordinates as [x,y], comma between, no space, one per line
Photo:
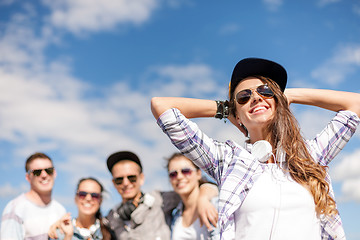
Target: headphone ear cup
[125,210]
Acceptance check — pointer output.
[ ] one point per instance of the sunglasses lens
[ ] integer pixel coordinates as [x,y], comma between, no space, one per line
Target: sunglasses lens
[243,96]
[132,178]
[119,180]
[186,171]
[37,172]
[96,196]
[173,174]
[82,194]
[265,91]
[49,171]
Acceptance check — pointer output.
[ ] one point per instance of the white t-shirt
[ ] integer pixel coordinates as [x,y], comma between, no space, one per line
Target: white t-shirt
[23,219]
[278,208]
[193,232]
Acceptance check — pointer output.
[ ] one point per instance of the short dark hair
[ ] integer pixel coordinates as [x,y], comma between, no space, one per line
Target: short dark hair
[35,156]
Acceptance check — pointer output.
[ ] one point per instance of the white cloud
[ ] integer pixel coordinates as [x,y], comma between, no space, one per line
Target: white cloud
[350,189]
[79,16]
[309,127]
[9,191]
[273,5]
[192,80]
[344,62]
[18,44]
[348,168]
[43,107]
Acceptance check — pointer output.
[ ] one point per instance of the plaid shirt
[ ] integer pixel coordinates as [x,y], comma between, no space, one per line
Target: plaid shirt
[236,170]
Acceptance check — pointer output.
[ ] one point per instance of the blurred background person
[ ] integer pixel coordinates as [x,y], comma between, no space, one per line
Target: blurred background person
[185,178]
[30,215]
[88,224]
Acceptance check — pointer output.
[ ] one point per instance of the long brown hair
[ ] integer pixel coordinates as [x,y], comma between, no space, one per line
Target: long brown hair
[283,131]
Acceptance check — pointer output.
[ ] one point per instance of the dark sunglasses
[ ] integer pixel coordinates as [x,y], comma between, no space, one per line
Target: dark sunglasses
[184,171]
[243,96]
[120,180]
[37,172]
[83,194]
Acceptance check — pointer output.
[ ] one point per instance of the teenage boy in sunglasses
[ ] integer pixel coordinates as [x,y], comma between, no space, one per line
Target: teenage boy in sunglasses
[143,216]
[30,215]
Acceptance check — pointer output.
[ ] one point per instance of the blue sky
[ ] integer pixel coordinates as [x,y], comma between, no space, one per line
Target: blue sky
[76,79]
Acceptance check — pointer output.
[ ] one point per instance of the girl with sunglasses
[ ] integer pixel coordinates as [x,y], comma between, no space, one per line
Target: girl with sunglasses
[185,178]
[277,185]
[88,224]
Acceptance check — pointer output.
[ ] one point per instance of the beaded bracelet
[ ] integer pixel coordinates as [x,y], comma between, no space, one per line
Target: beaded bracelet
[222,109]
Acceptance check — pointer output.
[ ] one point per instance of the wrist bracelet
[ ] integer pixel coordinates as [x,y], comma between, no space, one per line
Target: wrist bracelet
[222,109]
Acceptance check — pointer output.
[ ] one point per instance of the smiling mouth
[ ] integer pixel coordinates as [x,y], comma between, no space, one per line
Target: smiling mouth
[87,205]
[181,185]
[127,190]
[258,109]
[45,181]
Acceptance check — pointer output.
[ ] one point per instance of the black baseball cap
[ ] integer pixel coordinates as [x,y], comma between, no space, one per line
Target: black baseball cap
[121,156]
[258,67]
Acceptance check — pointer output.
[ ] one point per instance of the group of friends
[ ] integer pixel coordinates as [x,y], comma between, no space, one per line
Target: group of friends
[275,186]
[35,215]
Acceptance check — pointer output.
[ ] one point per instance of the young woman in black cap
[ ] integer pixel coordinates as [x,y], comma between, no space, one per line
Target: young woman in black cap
[277,186]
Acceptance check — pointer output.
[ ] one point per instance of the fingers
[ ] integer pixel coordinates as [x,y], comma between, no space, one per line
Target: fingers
[52,232]
[66,218]
[209,217]
[204,220]
[212,216]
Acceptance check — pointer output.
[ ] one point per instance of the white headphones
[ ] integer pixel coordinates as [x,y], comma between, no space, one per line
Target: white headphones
[88,233]
[262,150]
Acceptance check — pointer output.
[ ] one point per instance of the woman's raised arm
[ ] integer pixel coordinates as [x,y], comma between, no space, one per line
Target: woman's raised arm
[190,107]
[327,99]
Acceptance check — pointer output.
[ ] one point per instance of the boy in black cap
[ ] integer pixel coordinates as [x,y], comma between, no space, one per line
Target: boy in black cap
[139,216]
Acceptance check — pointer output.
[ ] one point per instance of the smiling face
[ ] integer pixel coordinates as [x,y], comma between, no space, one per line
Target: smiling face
[43,183]
[257,112]
[184,182]
[127,189]
[88,206]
